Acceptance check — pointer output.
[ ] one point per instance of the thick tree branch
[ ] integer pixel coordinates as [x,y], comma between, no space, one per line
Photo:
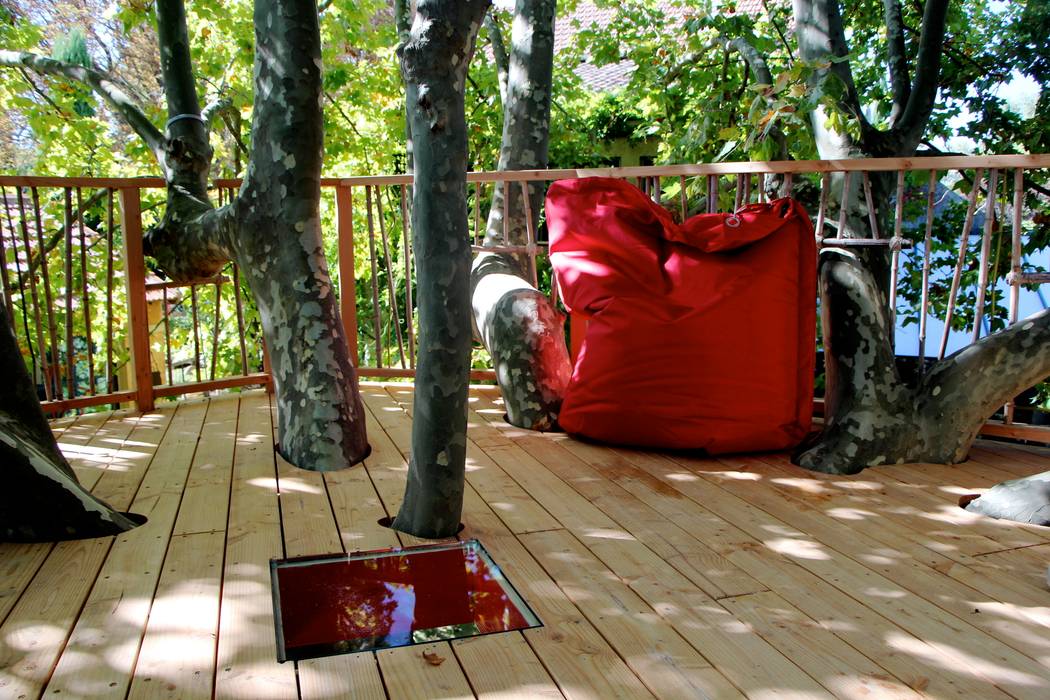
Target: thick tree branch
[522,331]
[102,84]
[862,379]
[912,123]
[897,58]
[964,389]
[959,58]
[754,59]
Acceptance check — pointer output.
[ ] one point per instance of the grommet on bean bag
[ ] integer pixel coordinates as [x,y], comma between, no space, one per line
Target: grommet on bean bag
[700,335]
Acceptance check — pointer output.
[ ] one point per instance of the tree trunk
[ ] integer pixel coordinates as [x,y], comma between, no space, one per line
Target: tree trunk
[871,415]
[521,329]
[41,500]
[434,63]
[319,411]
[272,230]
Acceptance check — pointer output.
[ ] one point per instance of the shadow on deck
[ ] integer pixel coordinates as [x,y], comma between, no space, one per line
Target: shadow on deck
[655,574]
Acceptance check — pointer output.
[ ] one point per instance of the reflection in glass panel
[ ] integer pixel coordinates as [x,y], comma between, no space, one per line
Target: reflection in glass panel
[337,604]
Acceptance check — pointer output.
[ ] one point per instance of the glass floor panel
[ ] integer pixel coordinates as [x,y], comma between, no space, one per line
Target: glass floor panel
[336,604]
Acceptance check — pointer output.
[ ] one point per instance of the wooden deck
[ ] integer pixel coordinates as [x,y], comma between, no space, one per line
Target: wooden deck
[655,574]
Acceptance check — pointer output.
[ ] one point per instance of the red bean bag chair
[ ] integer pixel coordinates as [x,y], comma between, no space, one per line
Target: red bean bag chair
[700,335]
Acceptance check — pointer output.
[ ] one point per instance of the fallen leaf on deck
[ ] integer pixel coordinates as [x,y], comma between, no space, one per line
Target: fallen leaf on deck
[433,659]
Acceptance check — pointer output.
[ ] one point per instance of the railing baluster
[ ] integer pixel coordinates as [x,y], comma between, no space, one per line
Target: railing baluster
[822,208]
[85,298]
[406,253]
[67,224]
[1015,245]
[844,204]
[376,321]
[135,277]
[26,305]
[873,219]
[8,302]
[216,327]
[37,324]
[924,305]
[504,192]
[390,276]
[49,306]
[530,235]
[895,255]
[478,233]
[110,386]
[344,213]
[993,293]
[683,198]
[964,244]
[1015,262]
[712,194]
[167,335]
[240,318]
[196,333]
[986,246]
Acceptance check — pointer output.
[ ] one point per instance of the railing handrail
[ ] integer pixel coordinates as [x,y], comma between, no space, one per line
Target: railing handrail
[1023,161]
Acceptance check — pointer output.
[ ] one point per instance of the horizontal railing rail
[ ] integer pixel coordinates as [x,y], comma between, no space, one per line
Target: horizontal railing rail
[109,333]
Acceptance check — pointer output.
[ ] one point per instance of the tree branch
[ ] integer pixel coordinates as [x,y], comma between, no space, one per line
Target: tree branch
[499,53]
[912,122]
[102,84]
[43,95]
[897,58]
[780,31]
[962,390]
[754,59]
[758,65]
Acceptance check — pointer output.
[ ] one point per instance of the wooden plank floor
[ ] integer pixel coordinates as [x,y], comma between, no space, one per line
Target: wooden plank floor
[656,575]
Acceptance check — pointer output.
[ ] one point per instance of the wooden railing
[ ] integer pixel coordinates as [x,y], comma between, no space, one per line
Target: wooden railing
[91,340]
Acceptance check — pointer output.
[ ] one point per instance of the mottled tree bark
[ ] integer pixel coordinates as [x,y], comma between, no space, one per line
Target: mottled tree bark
[41,500]
[872,416]
[271,229]
[320,416]
[520,328]
[434,63]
